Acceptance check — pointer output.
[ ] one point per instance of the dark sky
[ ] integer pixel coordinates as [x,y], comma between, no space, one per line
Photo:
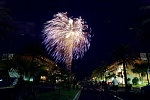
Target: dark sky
[111,22]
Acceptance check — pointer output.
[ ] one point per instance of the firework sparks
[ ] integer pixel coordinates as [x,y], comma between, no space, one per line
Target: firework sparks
[66,38]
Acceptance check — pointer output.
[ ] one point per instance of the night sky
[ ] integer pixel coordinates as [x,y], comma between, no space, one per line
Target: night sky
[112,22]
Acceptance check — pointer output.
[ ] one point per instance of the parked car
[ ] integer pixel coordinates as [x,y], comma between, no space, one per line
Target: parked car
[146,89]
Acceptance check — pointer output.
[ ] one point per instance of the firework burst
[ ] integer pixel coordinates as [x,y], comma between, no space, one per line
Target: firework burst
[66,38]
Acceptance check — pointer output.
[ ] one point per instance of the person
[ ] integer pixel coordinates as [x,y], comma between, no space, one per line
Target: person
[19,88]
[115,84]
[100,84]
[104,85]
[129,85]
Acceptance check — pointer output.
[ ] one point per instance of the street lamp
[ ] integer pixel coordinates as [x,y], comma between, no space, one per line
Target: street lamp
[148,70]
[145,56]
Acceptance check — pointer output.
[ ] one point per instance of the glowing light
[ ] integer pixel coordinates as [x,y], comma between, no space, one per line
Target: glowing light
[14,73]
[43,78]
[66,38]
[31,79]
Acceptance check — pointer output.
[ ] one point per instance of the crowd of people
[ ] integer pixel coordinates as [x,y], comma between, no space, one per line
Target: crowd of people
[104,85]
[113,85]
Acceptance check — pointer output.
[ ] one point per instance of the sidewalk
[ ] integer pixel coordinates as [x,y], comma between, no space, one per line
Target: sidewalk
[134,94]
[77,95]
[133,90]
[7,87]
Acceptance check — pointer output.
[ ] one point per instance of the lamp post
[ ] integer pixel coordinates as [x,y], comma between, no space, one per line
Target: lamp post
[145,56]
[148,67]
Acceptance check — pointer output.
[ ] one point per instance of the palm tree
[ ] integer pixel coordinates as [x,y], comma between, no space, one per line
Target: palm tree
[40,64]
[143,32]
[34,50]
[124,55]
[6,27]
[4,19]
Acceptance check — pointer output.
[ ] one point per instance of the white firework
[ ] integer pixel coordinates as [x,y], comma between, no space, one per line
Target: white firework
[66,38]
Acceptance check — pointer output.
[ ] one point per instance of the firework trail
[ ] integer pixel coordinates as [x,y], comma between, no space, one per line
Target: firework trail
[66,38]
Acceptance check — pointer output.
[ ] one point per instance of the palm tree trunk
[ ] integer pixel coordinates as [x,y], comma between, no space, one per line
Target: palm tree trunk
[125,74]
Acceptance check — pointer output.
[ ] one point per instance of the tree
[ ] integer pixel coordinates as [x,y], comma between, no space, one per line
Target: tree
[143,32]
[100,71]
[34,51]
[5,19]
[124,55]
[40,65]
[6,27]
[3,66]
[140,68]
[96,72]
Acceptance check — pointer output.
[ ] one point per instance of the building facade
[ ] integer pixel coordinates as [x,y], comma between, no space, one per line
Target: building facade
[116,69]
